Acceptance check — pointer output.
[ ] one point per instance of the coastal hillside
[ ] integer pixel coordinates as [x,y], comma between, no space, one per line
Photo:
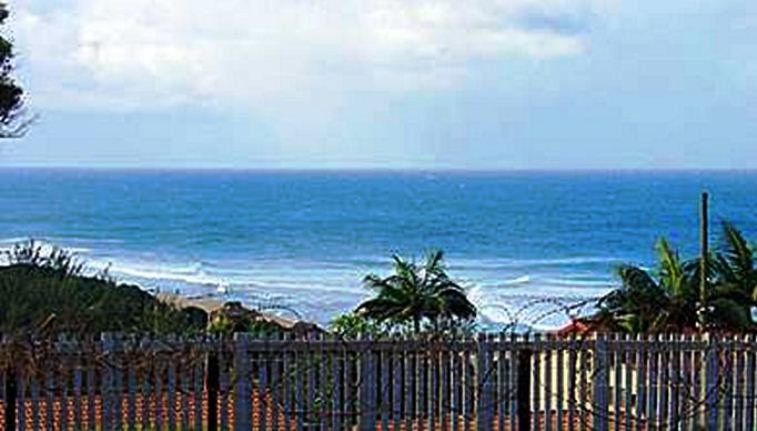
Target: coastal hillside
[45,299]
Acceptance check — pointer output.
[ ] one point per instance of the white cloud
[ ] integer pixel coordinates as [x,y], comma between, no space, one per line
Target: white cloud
[163,52]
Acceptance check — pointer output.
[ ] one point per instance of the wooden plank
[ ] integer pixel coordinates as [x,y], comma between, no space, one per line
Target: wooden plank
[224,383]
[712,384]
[185,381]
[470,391]
[22,385]
[266,393]
[751,374]
[560,371]
[131,403]
[385,390]
[572,383]
[537,385]
[601,381]
[50,396]
[77,393]
[654,386]
[34,394]
[63,384]
[547,383]
[739,376]
[409,383]
[310,368]
[447,414]
[434,386]
[585,406]
[615,355]
[146,393]
[524,386]
[687,383]
[91,384]
[698,398]
[397,370]
[456,383]
[513,379]
[630,365]
[286,364]
[198,376]
[664,380]
[727,375]
[423,385]
[160,422]
[108,382]
[274,384]
[242,385]
[641,385]
[171,396]
[368,382]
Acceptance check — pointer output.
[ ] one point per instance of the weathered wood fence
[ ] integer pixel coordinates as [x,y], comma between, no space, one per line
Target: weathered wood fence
[492,382]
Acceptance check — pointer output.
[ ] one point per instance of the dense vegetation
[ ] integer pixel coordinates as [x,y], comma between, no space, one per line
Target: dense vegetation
[48,293]
[670,298]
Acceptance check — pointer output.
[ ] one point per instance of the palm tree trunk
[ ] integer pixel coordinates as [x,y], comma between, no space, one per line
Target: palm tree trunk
[417,324]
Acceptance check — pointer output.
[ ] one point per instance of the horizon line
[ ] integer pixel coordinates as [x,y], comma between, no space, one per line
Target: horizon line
[358,169]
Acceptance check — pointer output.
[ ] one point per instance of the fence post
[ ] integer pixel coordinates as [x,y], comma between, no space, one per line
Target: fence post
[11,397]
[242,386]
[211,382]
[600,383]
[523,392]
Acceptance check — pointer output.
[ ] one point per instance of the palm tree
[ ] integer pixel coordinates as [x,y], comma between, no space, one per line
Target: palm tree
[672,302]
[646,304]
[734,282]
[414,293]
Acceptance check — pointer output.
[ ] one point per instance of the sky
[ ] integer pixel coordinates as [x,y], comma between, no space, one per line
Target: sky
[389,84]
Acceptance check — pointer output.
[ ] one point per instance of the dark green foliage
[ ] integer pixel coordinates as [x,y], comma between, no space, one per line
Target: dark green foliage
[45,300]
[669,299]
[415,294]
[13,122]
[350,326]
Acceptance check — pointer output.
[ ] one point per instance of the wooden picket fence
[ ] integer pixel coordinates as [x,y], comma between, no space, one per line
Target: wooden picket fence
[491,382]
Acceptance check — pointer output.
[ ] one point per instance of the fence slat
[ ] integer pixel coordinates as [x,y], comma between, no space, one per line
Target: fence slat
[712,383]
[171,396]
[286,384]
[615,353]
[548,388]
[751,376]
[629,361]
[224,383]
[34,393]
[385,390]
[184,383]
[727,376]
[560,401]
[197,398]
[740,377]
[242,389]
[91,384]
[21,417]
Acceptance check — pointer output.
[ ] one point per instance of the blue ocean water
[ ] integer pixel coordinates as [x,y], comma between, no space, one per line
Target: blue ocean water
[302,241]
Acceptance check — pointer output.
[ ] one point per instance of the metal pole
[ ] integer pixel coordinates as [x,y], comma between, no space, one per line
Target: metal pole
[704,246]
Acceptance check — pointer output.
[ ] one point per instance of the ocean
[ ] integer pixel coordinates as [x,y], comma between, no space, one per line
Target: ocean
[525,244]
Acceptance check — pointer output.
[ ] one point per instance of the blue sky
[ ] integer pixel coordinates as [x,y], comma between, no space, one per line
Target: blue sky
[516,84]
